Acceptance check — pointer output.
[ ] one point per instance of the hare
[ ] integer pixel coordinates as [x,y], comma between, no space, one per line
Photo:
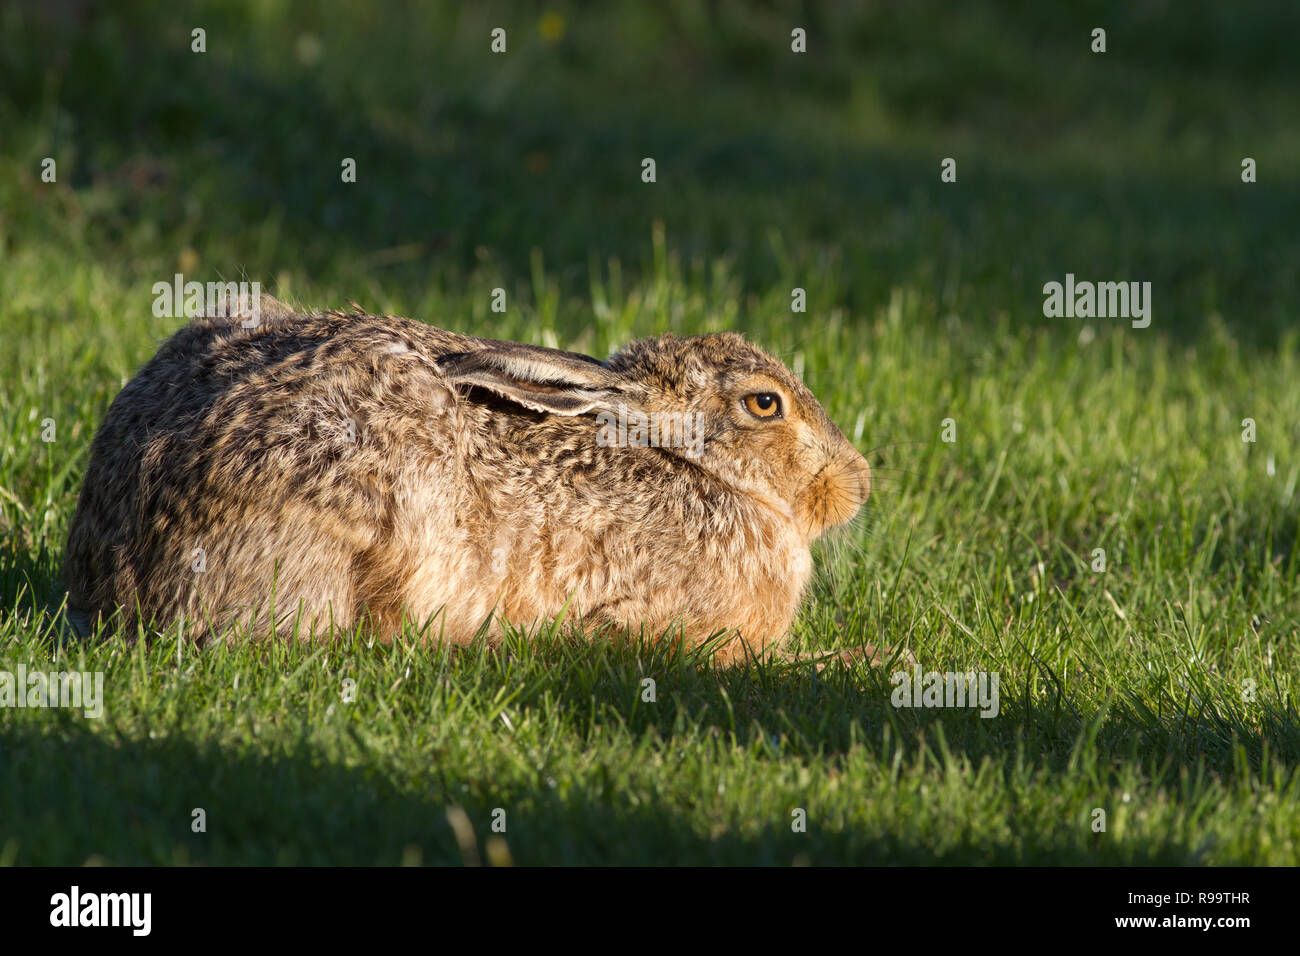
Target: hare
[339,469]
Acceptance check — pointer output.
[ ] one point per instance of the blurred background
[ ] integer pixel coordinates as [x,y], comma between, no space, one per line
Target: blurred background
[774,169]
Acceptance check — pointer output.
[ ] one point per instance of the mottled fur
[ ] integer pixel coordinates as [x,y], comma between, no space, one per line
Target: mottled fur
[344,468]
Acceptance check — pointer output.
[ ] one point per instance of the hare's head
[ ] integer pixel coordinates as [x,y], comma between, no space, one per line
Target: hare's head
[763,432]
[714,400]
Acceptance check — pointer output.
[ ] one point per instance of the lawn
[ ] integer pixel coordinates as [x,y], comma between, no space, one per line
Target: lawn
[1161,690]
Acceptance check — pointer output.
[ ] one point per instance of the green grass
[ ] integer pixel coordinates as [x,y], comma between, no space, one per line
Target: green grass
[1120,690]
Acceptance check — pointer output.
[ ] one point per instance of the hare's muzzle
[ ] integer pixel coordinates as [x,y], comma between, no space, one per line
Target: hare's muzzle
[836,491]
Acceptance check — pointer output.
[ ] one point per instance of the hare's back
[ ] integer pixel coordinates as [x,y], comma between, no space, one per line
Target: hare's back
[231,394]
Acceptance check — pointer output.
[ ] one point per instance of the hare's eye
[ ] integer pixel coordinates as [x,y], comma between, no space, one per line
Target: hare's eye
[763,404]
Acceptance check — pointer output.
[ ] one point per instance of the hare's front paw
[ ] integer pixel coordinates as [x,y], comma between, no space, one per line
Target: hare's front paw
[875,657]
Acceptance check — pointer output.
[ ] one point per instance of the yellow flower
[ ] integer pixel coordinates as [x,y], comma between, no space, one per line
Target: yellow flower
[551,27]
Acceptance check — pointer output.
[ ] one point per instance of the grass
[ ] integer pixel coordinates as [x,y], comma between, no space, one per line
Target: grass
[1162,690]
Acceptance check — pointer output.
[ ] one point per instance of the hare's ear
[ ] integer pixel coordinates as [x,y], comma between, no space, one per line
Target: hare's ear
[545,380]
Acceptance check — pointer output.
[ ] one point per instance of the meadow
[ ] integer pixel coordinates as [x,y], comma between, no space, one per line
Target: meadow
[1104,530]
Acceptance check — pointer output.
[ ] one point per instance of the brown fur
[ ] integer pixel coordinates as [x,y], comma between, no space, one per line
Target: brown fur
[357,468]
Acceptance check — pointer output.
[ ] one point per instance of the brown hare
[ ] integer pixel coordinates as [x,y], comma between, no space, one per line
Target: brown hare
[310,470]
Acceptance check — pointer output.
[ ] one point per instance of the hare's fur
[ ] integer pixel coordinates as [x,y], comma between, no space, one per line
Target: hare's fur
[336,469]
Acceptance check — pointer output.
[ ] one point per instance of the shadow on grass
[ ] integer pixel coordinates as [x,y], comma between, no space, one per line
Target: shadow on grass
[28,581]
[804,713]
[77,796]
[74,793]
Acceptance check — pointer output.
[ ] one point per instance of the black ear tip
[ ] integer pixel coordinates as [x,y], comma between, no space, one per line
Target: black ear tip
[453,359]
[462,364]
